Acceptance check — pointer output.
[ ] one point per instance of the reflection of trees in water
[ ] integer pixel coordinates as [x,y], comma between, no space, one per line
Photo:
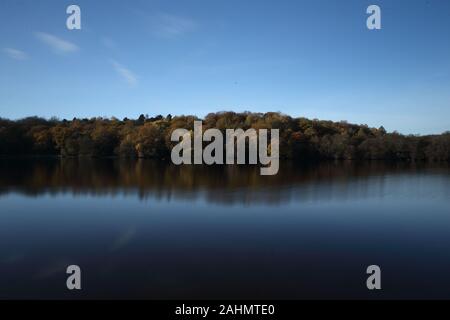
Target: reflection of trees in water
[221,184]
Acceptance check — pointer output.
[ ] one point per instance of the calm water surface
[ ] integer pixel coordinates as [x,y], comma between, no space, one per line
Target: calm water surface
[140,229]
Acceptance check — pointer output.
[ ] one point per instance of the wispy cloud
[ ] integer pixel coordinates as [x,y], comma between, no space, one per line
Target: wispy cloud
[124,238]
[170,26]
[125,73]
[109,43]
[57,44]
[15,54]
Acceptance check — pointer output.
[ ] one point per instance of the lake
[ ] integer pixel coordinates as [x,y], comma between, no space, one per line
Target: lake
[148,230]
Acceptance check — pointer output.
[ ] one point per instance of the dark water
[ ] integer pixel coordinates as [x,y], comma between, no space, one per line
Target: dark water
[140,229]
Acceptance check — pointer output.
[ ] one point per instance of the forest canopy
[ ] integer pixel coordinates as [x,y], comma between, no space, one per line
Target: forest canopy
[149,137]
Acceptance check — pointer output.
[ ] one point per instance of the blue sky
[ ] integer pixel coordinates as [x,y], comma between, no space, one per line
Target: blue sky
[304,58]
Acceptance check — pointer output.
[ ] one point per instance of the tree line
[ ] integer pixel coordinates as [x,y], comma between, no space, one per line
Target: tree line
[149,137]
